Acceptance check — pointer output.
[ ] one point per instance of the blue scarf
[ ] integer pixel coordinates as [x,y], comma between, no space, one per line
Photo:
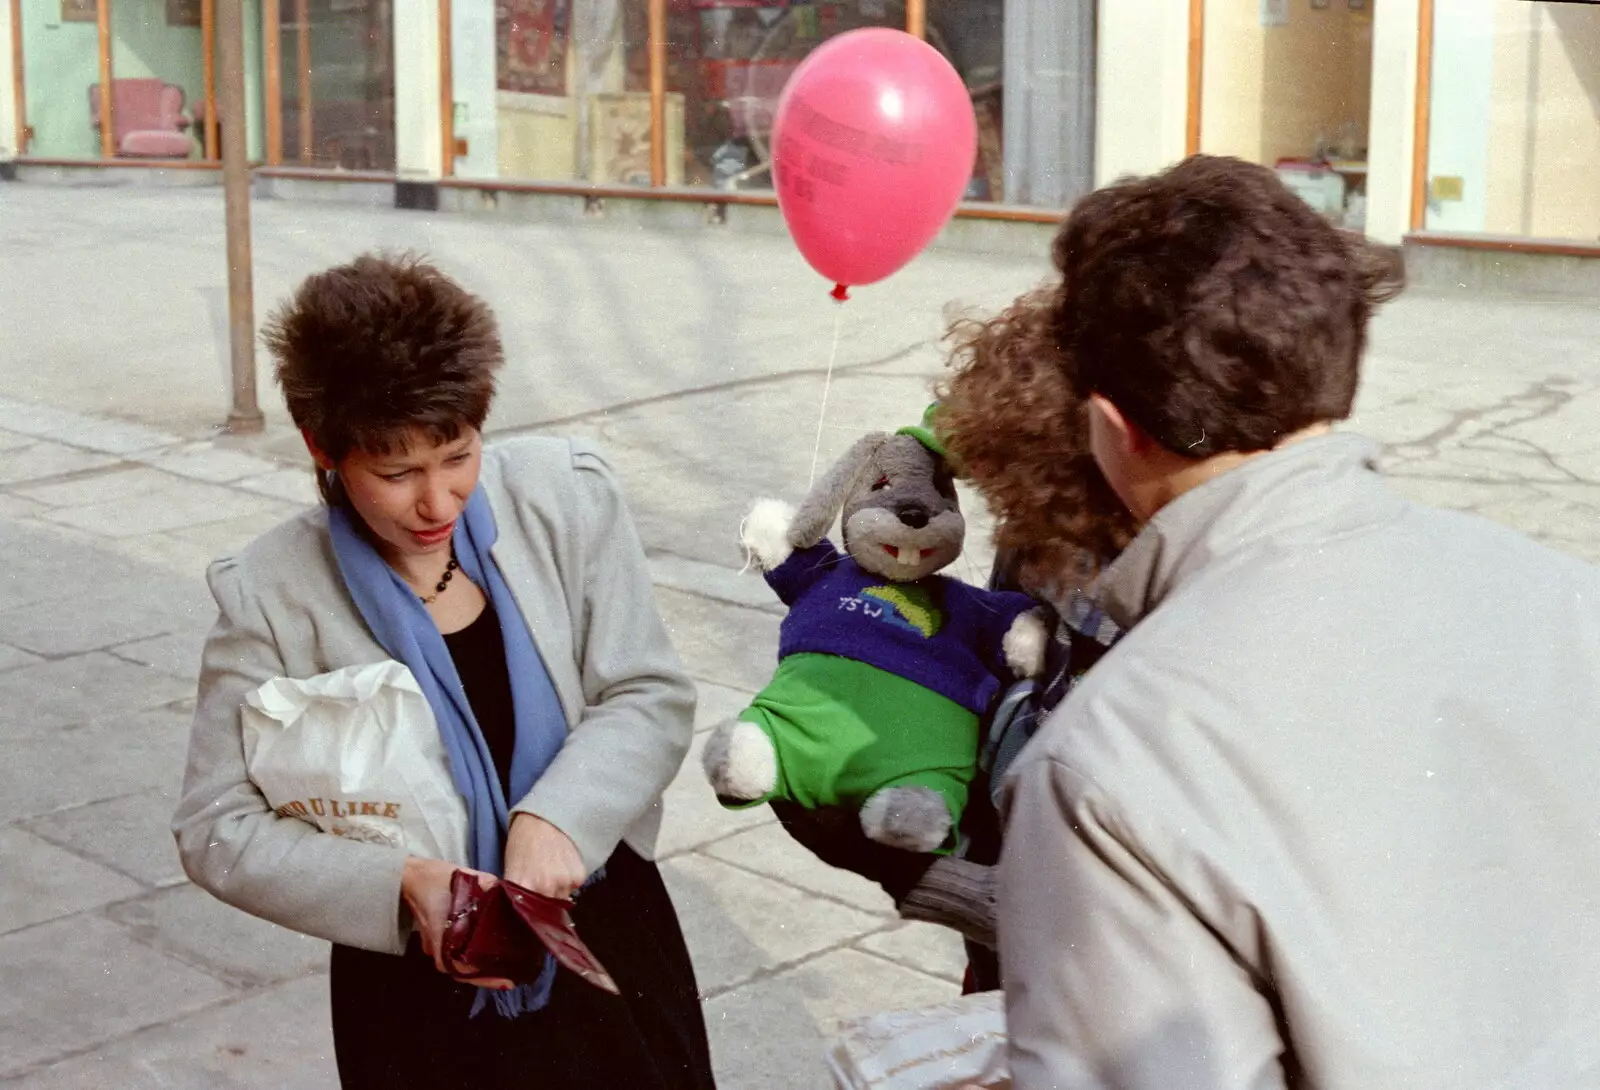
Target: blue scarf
[401,624]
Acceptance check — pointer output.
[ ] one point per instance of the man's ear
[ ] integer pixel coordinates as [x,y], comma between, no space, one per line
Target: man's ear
[317,456]
[1127,435]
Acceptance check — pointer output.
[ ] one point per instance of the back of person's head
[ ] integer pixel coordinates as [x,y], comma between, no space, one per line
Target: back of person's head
[1014,424]
[1214,308]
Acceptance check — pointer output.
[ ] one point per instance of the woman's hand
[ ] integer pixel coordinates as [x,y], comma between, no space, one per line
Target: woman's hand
[425,885]
[542,858]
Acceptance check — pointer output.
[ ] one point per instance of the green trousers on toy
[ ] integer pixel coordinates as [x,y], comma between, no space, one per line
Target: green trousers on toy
[844,730]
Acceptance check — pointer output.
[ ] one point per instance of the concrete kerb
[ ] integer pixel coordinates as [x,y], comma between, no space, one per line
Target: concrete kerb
[137,444]
[685,210]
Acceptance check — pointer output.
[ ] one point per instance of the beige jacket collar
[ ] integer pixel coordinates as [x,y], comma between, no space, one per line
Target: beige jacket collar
[1317,488]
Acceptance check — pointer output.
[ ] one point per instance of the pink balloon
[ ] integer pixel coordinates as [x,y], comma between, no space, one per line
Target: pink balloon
[874,141]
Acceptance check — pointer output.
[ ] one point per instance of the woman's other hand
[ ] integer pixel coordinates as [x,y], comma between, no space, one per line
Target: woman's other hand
[425,885]
[542,858]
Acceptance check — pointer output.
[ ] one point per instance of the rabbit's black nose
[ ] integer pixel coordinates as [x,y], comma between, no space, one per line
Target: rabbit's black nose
[913,515]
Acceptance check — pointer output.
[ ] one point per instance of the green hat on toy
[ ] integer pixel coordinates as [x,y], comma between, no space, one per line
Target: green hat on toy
[924,433]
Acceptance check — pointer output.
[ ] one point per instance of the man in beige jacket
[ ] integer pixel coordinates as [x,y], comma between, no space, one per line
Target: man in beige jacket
[1328,815]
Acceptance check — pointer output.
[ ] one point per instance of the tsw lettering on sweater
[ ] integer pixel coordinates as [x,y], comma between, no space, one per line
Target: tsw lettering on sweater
[938,632]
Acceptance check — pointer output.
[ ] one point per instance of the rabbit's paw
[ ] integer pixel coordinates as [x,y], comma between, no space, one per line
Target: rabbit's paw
[1025,645]
[765,532]
[740,762]
[915,819]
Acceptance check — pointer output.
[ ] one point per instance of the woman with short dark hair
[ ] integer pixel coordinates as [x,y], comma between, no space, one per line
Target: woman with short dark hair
[509,575]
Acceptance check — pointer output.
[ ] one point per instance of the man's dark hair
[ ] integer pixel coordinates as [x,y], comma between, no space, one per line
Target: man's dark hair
[1216,309]
[370,349]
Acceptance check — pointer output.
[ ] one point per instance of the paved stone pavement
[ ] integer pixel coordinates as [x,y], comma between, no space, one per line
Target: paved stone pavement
[115,491]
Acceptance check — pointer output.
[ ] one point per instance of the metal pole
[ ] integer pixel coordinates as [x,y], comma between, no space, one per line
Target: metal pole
[208,39]
[658,92]
[917,18]
[1422,111]
[19,86]
[108,139]
[1197,76]
[447,91]
[245,417]
[272,94]
[308,140]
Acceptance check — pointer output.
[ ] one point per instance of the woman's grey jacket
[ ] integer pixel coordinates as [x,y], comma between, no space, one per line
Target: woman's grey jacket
[574,563]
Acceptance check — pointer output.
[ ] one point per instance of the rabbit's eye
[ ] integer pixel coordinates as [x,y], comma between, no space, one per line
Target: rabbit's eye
[880,484]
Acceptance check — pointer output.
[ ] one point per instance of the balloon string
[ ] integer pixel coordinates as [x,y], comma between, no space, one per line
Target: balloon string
[827,385]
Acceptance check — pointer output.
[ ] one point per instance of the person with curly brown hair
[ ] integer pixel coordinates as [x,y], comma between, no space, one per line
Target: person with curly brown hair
[1048,548]
[1324,815]
[508,579]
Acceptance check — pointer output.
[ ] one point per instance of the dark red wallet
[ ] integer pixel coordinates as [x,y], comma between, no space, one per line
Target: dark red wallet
[506,930]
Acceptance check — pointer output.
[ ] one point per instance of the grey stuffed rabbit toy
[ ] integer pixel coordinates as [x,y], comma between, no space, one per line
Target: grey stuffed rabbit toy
[885,667]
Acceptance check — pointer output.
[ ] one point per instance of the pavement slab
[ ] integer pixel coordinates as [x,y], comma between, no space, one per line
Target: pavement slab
[173,506]
[131,834]
[769,851]
[191,925]
[694,818]
[210,461]
[41,460]
[772,1035]
[740,926]
[274,1037]
[48,565]
[48,695]
[89,986]
[177,653]
[40,882]
[727,645]
[718,704]
[45,771]
[937,951]
[13,657]
[108,614]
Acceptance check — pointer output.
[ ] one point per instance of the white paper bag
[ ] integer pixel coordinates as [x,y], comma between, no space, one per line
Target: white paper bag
[935,1048]
[357,753]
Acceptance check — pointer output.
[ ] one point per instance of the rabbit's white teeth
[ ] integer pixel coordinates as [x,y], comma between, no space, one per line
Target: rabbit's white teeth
[909,557]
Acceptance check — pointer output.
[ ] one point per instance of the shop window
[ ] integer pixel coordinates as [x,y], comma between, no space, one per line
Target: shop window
[157,60]
[970,33]
[1031,67]
[61,63]
[559,90]
[335,84]
[1288,83]
[730,59]
[158,82]
[158,102]
[542,91]
[1514,120]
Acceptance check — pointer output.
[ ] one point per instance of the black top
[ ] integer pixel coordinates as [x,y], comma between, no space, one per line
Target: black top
[479,652]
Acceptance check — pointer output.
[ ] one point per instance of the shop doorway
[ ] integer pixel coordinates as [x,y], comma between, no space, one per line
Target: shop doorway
[1288,84]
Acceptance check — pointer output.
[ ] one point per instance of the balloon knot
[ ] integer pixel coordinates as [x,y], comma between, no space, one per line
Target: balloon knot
[840,292]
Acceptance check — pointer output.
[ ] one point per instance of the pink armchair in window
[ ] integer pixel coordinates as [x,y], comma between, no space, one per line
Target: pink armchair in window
[147,119]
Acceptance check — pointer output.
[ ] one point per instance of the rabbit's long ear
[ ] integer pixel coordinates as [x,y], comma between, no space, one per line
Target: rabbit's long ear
[815,517]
